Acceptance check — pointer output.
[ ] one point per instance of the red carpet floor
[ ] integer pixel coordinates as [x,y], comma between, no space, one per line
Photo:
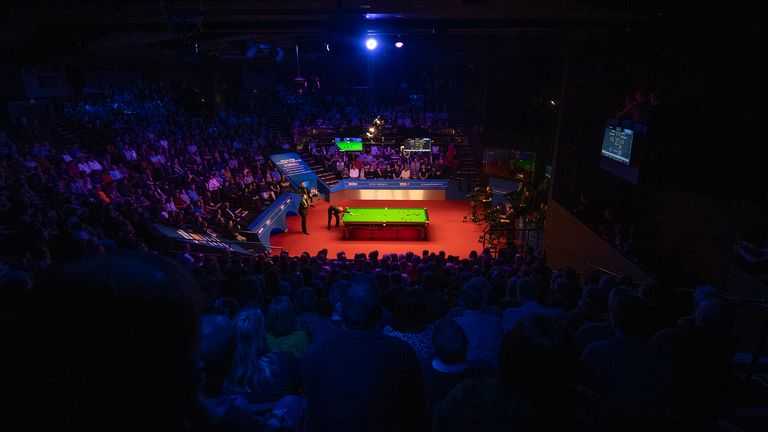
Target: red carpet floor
[446,231]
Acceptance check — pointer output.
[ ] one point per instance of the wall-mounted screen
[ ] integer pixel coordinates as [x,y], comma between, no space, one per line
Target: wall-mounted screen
[418,144]
[617,143]
[349,144]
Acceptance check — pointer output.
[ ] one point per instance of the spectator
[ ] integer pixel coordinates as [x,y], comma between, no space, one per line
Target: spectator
[706,345]
[482,405]
[409,323]
[535,361]
[317,327]
[484,332]
[627,370]
[354,172]
[528,294]
[449,366]
[217,350]
[592,308]
[374,378]
[281,327]
[260,375]
[70,356]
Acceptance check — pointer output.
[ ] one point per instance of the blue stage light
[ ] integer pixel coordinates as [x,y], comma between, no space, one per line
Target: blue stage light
[399,44]
[371,44]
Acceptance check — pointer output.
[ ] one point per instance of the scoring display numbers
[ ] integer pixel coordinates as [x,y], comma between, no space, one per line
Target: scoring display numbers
[418,144]
[617,144]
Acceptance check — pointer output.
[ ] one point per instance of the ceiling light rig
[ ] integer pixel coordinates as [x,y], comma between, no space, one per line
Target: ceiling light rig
[375,128]
[299,83]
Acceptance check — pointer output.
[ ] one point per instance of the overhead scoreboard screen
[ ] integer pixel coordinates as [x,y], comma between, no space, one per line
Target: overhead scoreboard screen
[349,144]
[418,145]
[617,143]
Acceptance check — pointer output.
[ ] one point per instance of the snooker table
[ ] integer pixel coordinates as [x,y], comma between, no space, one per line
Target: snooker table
[375,219]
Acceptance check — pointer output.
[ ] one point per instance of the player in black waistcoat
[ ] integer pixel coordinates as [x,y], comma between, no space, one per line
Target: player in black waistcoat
[335,212]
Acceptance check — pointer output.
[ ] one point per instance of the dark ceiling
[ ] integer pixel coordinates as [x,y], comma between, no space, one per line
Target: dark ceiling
[106,27]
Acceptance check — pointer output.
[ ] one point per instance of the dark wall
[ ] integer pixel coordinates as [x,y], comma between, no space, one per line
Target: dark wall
[704,137]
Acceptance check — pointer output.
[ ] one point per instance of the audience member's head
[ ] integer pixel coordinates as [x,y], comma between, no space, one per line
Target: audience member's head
[410,311]
[528,290]
[281,319]
[594,299]
[272,282]
[337,293]
[702,293]
[252,291]
[533,357]
[217,332]
[711,313]
[217,349]
[115,346]
[607,282]
[450,342]
[360,308]
[473,293]
[481,405]
[254,366]
[566,294]
[629,313]
[305,300]
[653,294]
[429,281]
[15,287]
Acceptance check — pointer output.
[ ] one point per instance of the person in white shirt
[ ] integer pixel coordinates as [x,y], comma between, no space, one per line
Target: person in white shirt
[354,173]
[130,154]
[83,166]
[247,178]
[213,184]
[157,159]
[115,174]
[94,165]
[415,165]
[169,206]
[192,194]
[184,198]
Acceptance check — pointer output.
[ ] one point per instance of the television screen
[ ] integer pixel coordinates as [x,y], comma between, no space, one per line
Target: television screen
[349,144]
[617,143]
[418,144]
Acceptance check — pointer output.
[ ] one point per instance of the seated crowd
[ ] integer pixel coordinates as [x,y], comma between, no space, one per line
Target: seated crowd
[326,111]
[385,162]
[369,342]
[134,341]
[616,225]
[139,160]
